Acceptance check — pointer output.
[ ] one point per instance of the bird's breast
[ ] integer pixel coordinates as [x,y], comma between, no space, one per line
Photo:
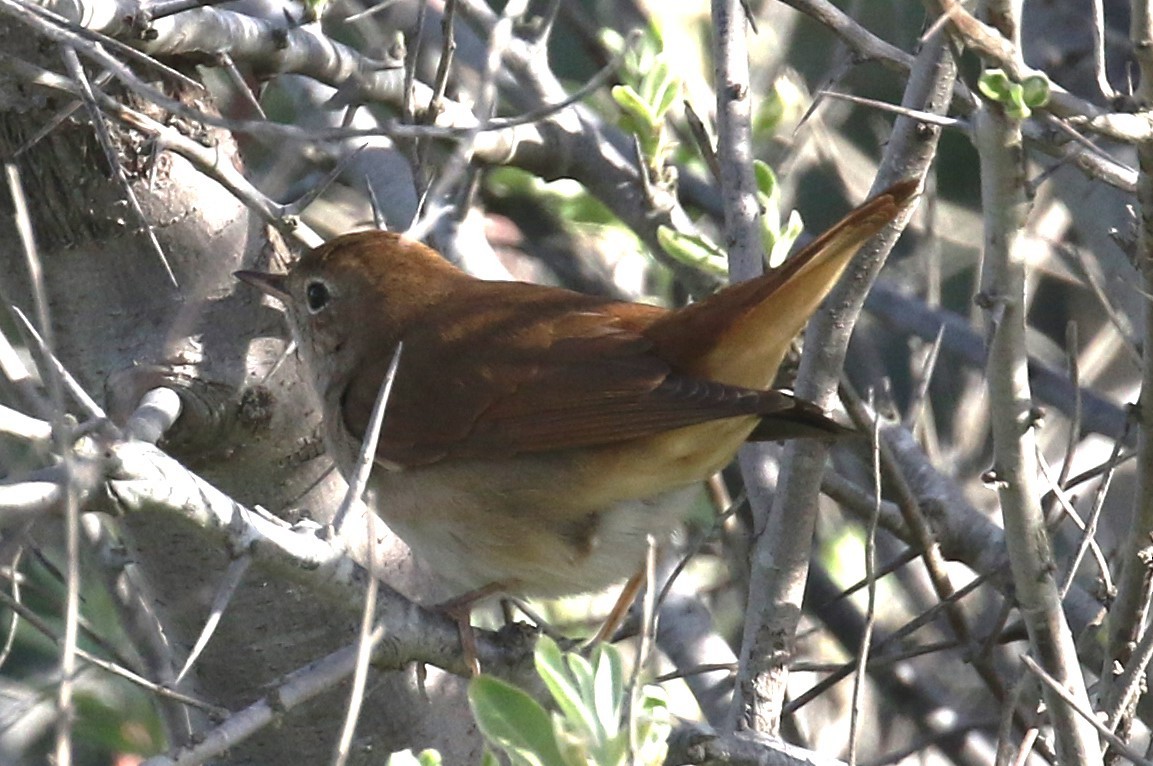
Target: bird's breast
[533,524]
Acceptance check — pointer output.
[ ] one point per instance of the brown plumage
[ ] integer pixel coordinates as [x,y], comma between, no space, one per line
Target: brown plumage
[535,435]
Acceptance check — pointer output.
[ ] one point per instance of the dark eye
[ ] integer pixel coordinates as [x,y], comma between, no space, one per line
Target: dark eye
[317,296]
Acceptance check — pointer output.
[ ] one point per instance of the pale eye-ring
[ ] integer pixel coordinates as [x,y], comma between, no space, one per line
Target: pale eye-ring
[316,295]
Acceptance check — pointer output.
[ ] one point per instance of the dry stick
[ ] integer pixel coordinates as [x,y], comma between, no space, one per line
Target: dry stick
[157,411]
[943,121]
[370,11]
[76,70]
[1098,27]
[742,227]
[240,85]
[1008,715]
[366,641]
[292,691]
[41,626]
[870,577]
[15,372]
[86,402]
[61,115]
[1051,387]
[63,446]
[771,623]
[144,479]
[871,48]
[921,535]
[1082,152]
[880,662]
[1094,517]
[920,398]
[443,67]
[591,154]
[367,456]
[225,590]
[645,637]
[14,622]
[328,62]
[134,599]
[598,156]
[101,40]
[704,143]
[412,49]
[1001,152]
[1084,713]
[431,210]
[364,463]
[1088,529]
[694,743]
[1072,343]
[906,556]
[1127,685]
[411,61]
[905,630]
[1124,624]
[1122,327]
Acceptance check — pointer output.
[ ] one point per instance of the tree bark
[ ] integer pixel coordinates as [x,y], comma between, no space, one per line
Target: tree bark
[123,327]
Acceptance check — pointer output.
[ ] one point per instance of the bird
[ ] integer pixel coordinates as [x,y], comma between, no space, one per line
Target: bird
[536,437]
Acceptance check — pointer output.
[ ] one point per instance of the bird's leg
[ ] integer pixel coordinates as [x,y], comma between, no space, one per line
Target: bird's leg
[506,610]
[459,609]
[621,608]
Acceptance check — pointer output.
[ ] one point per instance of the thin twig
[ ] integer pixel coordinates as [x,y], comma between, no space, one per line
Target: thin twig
[366,459]
[870,577]
[41,626]
[1074,704]
[366,640]
[86,402]
[1006,206]
[76,70]
[63,447]
[225,590]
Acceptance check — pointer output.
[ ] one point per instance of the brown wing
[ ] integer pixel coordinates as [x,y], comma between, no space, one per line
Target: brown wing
[529,370]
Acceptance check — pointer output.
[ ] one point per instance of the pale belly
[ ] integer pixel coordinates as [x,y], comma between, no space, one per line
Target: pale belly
[533,542]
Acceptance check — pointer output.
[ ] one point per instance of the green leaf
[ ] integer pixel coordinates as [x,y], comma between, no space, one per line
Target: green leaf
[1036,90]
[553,670]
[1016,107]
[693,250]
[581,673]
[770,113]
[995,84]
[667,95]
[488,758]
[766,179]
[406,758]
[513,721]
[1016,98]
[653,80]
[612,40]
[653,724]
[770,214]
[778,243]
[573,747]
[615,750]
[608,688]
[632,103]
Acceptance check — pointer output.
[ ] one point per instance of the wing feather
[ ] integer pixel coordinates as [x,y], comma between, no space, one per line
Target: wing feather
[517,371]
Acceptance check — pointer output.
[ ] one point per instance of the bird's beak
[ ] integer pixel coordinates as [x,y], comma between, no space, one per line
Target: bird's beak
[269,284]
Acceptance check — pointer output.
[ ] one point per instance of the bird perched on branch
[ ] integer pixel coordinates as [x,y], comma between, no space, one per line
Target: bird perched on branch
[535,437]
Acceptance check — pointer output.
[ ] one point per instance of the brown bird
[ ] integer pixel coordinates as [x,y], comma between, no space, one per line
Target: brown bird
[536,436]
